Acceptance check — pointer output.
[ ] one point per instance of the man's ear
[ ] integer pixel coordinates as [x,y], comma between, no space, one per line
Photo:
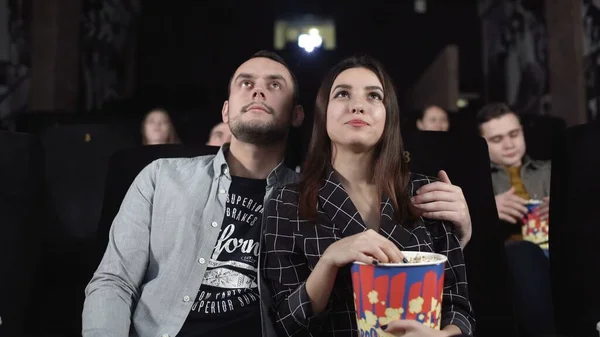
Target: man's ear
[225,112]
[297,116]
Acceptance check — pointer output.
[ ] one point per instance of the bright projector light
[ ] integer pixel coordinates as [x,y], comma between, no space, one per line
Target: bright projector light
[310,41]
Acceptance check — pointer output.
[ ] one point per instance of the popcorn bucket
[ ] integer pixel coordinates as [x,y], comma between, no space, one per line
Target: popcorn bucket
[392,291]
[534,229]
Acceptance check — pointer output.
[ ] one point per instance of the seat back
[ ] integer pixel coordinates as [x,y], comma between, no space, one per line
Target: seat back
[20,203]
[466,160]
[539,133]
[76,164]
[575,229]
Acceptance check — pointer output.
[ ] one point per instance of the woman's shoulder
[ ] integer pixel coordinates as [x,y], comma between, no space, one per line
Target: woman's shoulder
[284,203]
[288,194]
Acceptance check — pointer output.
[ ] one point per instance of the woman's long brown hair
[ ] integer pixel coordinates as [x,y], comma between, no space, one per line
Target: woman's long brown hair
[390,173]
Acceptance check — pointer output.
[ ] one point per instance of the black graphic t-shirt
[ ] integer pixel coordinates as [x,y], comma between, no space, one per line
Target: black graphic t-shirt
[228,303]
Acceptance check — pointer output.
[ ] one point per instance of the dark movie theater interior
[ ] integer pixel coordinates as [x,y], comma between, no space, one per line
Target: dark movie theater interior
[299,168]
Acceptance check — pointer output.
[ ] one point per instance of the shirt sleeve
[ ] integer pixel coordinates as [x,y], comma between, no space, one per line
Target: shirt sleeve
[111,294]
[456,307]
[286,271]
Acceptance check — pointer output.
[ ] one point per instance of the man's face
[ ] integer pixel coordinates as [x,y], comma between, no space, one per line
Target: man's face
[506,143]
[260,108]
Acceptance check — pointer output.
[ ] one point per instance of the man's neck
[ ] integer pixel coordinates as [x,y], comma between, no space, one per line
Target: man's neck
[514,165]
[355,169]
[253,161]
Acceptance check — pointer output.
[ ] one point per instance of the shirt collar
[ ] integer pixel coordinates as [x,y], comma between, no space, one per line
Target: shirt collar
[220,167]
[526,162]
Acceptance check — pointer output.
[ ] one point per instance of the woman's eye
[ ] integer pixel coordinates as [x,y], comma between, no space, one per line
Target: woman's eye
[376,96]
[341,94]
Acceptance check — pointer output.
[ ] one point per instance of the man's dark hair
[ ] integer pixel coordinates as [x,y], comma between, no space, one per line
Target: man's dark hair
[275,57]
[492,111]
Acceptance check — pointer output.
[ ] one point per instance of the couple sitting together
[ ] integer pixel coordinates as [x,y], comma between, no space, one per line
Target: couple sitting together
[236,244]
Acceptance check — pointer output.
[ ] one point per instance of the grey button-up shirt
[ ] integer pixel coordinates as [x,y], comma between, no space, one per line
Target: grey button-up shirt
[159,246]
[534,173]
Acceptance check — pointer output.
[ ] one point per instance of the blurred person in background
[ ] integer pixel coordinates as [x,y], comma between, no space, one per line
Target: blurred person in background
[157,128]
[516,178]
[433,118]
[219,135]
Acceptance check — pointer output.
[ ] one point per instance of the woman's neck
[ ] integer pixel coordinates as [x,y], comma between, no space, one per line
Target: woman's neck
[355,168]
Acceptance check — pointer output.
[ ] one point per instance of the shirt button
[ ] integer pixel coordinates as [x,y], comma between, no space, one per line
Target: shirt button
[186,298]
[214,224]
[226,171]
[222,191]
[166,335]
[201,260]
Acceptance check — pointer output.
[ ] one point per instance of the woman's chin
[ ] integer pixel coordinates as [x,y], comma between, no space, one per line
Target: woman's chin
[157,141]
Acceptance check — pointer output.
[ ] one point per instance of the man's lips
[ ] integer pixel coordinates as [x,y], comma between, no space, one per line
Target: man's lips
[258,107]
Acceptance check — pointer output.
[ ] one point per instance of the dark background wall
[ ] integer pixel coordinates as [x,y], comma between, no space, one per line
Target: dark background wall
[187,51]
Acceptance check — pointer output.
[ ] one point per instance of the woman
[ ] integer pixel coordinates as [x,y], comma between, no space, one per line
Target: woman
[433,118]
[157,128]
[354,204]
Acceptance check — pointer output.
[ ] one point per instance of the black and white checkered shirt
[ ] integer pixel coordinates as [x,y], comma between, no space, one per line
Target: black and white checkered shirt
[292,247]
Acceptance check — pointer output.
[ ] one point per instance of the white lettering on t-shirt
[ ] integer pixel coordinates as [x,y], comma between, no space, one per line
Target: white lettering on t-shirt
[229,244]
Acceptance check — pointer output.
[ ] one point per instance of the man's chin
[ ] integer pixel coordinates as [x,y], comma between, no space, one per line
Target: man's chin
[512,163]
[260,136]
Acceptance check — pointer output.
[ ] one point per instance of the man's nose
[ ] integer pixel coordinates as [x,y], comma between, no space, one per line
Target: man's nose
[258,93]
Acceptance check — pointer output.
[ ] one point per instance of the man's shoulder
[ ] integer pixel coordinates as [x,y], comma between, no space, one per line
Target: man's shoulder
[542,165]
[184,166]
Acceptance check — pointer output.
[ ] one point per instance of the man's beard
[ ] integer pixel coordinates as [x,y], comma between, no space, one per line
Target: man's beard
[258,133]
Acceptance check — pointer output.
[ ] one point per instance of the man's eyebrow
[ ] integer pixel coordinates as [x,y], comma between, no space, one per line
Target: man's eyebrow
[272,77]
[244,76]
[276,77]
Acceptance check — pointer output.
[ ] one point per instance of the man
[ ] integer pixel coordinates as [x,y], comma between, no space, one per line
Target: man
[183,251]
[433,118]
[516,177]
[219,135]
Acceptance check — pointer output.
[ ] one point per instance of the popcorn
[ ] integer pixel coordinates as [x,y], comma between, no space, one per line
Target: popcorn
[415,306]
[391,314]
[373,297]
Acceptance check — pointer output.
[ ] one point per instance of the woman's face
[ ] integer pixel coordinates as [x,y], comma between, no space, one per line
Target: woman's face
[157,128]
[434,119]
[356,113]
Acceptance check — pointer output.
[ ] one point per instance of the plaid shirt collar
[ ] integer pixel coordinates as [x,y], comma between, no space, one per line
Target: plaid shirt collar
[336,204]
